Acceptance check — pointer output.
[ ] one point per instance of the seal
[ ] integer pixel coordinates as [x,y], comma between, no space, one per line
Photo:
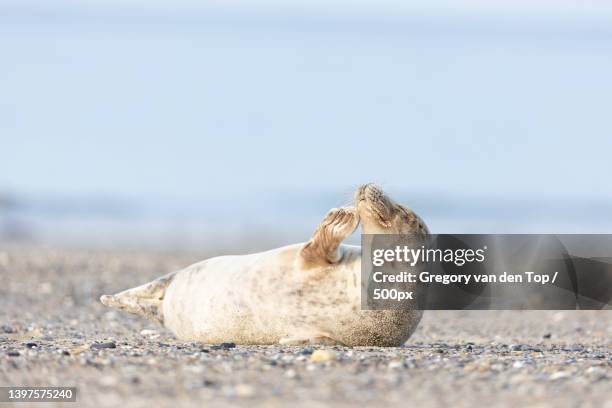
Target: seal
[308,293]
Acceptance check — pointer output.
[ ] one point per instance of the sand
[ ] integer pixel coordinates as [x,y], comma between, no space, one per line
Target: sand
[54,332]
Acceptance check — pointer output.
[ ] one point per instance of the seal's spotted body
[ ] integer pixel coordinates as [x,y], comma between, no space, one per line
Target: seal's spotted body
[298,294]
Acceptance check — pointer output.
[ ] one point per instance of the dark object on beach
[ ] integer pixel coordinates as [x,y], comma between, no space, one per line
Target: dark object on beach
[105,345]
[5,328]
[31,345]
[13,353]
[224,346]
[547,336]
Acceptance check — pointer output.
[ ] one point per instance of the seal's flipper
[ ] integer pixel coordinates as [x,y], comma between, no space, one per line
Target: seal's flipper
[320,339]
[148,308]
[322,248]
[145,300]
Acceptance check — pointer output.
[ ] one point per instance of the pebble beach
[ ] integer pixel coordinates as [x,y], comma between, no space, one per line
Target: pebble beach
[54,332]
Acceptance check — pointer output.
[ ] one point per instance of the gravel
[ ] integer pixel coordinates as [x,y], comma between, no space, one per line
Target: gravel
[54,332]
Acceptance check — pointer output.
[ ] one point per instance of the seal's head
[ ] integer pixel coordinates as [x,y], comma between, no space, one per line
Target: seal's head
[379,214]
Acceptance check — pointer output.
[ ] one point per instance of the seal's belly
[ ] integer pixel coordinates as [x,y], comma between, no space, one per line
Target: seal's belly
[248,299]
[261,298]
[211,302]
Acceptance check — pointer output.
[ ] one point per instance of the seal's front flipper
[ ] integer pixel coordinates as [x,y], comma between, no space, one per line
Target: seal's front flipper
[322,340]
[145,300]
[322,248]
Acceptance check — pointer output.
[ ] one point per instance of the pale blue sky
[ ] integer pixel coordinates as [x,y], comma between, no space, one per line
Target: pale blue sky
[530,8]
[456,98]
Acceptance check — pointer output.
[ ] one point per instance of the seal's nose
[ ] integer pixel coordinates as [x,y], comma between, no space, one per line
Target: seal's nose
[364,192]
[370,198]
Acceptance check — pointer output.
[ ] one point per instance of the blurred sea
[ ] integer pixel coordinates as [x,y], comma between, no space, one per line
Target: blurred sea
[261,221]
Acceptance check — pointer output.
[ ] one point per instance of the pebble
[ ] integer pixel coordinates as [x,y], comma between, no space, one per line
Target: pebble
[559,375]
[108,381]
[523,347]
[291,373]
[5,328]
[79,349]
[244,390]
[597,372]
[13,353]
[223,346]
[45,288]
[395,364]
[104,345]
[195,369]
[320,356]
